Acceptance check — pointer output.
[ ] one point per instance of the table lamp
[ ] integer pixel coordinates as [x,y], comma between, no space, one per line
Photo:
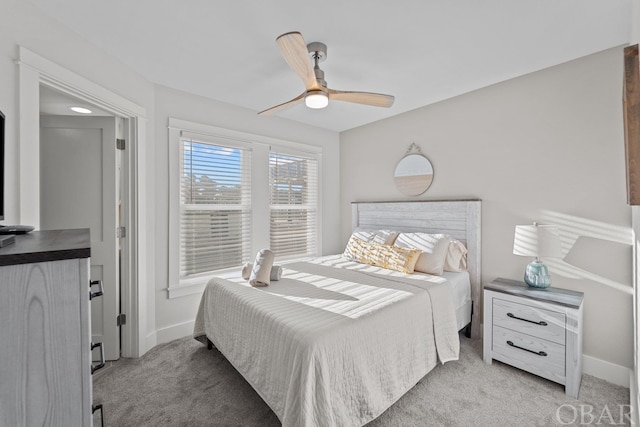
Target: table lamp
[537,241]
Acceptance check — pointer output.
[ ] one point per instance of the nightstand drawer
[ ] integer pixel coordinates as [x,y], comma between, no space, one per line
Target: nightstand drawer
[534,355]
[537,322]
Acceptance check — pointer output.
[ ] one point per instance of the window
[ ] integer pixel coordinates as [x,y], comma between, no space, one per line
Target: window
[293,185]
[215,207]
[232,194]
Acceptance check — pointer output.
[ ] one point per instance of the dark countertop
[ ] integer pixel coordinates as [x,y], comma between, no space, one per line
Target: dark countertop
[43,246]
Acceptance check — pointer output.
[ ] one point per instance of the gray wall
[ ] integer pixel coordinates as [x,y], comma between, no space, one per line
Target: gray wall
[547,146]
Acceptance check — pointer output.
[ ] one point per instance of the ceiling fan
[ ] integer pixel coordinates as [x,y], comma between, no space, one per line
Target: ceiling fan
[316,94]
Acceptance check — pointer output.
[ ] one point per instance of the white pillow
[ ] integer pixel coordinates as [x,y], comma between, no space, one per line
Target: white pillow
[434,249]
[381,237]
[456,257]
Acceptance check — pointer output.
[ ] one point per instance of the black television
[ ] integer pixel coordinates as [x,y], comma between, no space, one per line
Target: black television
[1,165]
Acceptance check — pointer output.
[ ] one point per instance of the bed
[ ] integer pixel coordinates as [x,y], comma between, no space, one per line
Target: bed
[335,342]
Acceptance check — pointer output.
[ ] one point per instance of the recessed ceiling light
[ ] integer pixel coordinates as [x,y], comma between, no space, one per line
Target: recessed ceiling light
[80,110]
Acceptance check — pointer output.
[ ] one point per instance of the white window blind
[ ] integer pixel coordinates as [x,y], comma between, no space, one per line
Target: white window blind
[215,207]
[293,183]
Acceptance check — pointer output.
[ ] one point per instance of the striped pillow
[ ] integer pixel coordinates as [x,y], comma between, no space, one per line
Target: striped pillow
[389,257]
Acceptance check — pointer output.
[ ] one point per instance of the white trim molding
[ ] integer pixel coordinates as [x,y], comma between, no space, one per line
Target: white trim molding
[35,70]
[174,332]
[633,397]
[260,147]
[151,340]
[195,130]
[607,371]
[69,82]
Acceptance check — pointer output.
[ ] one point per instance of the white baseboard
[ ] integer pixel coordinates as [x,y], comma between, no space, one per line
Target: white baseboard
[173,332]
[150,341]
[607,371]
[633,394]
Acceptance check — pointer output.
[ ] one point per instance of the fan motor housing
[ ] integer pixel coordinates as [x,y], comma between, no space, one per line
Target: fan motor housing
[317,49]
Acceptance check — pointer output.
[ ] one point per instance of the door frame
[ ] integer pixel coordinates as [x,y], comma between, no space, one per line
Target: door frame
[34,70]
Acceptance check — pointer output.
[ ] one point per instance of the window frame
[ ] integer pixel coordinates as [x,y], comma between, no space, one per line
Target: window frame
[306,207]
[244,207]
[261,147]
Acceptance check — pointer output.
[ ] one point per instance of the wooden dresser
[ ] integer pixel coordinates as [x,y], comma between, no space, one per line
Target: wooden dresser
[537,330]
[45,330]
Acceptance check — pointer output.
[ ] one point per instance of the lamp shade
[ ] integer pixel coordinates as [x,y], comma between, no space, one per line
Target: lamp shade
[537,241]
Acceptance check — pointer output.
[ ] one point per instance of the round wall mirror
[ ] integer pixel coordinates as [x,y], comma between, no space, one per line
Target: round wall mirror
[413,174]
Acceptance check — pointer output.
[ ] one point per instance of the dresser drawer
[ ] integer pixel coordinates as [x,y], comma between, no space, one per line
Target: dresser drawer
[537,322]
[535,355]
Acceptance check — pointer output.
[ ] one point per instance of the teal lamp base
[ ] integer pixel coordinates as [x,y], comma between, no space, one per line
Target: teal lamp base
[537,275]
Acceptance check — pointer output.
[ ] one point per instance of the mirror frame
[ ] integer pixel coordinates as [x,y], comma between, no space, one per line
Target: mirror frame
[413,185]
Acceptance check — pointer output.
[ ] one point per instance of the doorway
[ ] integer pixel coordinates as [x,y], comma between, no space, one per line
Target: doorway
[137,301]
[80,177]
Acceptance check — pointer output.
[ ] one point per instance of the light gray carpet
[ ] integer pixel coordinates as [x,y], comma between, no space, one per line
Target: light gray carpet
[181,383]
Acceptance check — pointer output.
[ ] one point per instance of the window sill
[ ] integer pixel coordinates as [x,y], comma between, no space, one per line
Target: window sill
[194,286]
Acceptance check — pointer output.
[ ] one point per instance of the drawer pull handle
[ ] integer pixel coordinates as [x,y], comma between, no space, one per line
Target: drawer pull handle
[95,408]
[99,293]
[539,353]
[101,364]
[541,323]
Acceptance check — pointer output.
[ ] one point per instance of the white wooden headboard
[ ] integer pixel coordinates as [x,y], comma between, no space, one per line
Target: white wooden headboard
[458,218]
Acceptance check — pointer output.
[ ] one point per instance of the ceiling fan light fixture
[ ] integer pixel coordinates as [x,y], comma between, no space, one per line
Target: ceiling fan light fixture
[316,99]
[316,94]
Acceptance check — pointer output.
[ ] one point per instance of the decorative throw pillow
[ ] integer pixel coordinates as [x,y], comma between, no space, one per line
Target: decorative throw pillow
[434,249]
[385,256]
[382,237]
[456,257]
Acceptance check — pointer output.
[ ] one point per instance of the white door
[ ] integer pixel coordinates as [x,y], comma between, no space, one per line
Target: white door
[78,190]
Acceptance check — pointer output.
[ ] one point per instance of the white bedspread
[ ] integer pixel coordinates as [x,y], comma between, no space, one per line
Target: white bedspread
[332,343]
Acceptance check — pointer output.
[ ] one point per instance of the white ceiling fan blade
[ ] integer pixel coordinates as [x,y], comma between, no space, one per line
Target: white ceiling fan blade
[283,106]
[366,98]
[295,52]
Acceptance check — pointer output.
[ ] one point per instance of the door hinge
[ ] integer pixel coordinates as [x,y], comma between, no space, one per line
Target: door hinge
[121,232]
[121,319]
[120,144]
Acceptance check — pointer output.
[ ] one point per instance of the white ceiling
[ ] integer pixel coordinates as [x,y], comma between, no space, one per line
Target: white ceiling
[421,51]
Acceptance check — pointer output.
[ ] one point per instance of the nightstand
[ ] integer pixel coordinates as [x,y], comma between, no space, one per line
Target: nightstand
[536,330]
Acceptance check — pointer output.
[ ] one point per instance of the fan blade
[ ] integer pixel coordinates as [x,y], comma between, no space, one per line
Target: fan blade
[295,52]
[283,106]
[367,98]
